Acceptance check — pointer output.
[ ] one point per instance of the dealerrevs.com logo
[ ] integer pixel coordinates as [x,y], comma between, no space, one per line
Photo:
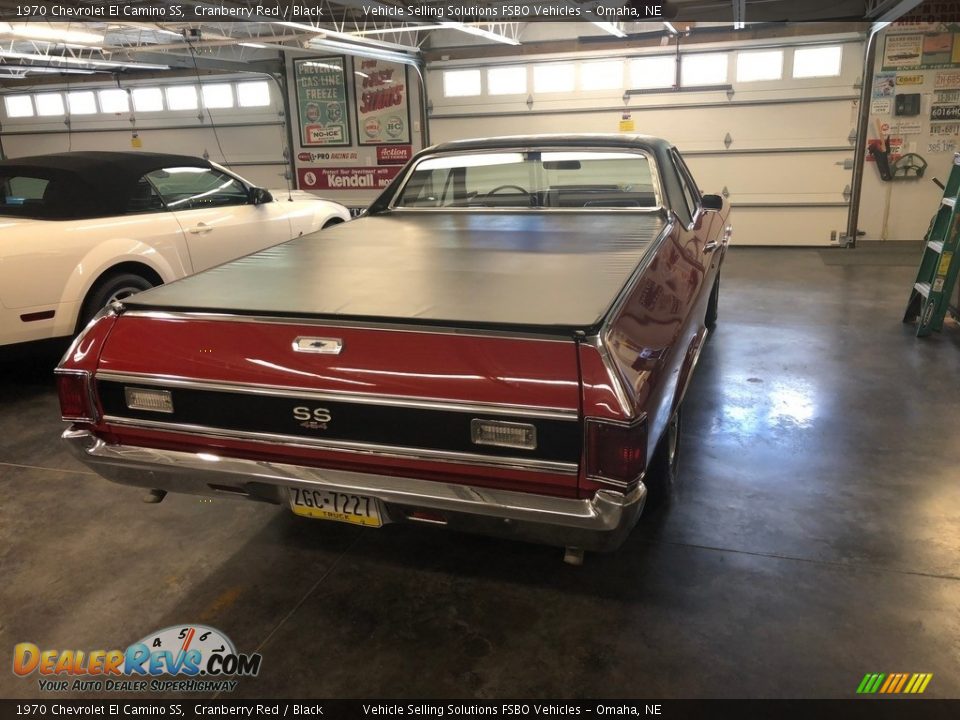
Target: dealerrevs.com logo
[181,658]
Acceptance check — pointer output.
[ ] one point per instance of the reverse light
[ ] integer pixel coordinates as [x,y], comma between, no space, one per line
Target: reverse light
[616,453]
[148,399]
[76,400]
[503,434]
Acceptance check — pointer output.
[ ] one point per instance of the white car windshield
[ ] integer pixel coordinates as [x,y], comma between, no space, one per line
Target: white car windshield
[531,179]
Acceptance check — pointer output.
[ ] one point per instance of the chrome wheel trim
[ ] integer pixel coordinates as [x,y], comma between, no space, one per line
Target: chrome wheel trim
[673,440]
[122,293]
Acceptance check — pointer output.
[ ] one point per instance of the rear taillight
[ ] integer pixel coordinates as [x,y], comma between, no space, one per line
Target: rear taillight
[616,453]
[76,398]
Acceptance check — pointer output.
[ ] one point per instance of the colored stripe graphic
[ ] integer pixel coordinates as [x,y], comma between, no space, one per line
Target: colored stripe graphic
[894,683]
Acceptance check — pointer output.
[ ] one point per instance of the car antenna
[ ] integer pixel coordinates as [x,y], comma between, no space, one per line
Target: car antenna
[194,34]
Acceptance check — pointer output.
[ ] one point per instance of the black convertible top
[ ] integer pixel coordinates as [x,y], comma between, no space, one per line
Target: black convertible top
[535,270]
[93,183]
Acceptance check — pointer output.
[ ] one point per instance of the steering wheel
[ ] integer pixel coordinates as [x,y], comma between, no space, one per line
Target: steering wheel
[507,187]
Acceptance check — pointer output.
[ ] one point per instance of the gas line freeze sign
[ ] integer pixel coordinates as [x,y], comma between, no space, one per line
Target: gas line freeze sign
[322,101]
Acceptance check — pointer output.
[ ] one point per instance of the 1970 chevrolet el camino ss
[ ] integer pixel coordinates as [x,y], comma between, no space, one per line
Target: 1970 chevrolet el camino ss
[501,345]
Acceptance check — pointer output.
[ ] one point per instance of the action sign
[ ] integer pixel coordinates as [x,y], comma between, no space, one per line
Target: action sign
[322,101]
[393,154]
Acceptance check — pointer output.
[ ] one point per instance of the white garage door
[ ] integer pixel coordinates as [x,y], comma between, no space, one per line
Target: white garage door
[780,146]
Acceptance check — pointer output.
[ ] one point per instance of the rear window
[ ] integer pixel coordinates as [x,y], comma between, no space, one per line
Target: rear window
[28,196]
[532,179]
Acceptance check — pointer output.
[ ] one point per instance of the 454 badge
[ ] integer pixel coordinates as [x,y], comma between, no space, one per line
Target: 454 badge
[185,658]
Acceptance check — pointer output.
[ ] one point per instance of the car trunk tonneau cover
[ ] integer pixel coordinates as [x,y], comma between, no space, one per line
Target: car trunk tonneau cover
[529,269]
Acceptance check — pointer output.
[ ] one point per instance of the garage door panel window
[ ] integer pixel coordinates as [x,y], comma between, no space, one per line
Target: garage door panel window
[253,94]
[601,75]
[114,100]
[49,104]
[217,96]
[18,106]
[82,103]
[653,72]
[507,81]
[147,99]
[461,83]
[182,97]
[554,78]
[703,69]
[188,188]
[817,61]
[759,65]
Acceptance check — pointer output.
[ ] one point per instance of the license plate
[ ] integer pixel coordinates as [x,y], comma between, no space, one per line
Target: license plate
[329,505]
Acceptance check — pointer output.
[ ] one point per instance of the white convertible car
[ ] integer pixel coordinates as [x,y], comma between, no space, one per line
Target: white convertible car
[80,229]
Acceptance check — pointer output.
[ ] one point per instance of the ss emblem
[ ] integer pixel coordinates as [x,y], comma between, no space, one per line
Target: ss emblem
[305,414]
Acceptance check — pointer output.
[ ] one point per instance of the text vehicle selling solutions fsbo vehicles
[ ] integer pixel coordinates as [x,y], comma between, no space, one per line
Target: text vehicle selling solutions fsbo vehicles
[500,345]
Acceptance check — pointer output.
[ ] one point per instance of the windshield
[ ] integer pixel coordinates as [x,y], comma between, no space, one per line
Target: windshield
[537,179]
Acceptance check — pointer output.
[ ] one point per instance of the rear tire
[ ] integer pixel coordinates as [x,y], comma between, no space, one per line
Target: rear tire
[664,466]
[713,305]
[108,289]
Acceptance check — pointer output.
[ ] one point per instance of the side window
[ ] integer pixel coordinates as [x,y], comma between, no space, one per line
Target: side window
[188,188]
[22,195]
[691,196]
[144,198]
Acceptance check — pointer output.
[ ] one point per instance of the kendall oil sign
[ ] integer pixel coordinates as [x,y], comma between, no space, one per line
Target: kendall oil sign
[352,178]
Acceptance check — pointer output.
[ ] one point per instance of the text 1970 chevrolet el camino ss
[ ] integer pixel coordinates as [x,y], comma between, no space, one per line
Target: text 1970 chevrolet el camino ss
[501,345]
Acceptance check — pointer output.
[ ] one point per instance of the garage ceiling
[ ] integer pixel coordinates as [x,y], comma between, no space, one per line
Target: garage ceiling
[36,49]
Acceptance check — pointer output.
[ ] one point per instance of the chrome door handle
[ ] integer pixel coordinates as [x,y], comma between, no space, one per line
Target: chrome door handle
[200,229]
[711,246]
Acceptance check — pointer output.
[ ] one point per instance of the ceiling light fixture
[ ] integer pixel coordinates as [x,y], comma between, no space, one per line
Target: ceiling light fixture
[54,59]
[406,28]
[480,32]
[13,71]
[51,33]
[611,28]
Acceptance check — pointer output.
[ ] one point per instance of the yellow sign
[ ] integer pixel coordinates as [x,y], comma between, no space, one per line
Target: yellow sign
[627,126]
[909,79]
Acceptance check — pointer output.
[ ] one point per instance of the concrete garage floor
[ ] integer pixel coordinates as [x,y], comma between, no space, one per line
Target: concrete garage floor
[815,536]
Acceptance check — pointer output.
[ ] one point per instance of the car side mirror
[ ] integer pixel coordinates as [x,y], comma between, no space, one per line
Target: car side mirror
[259,196]
[712,202]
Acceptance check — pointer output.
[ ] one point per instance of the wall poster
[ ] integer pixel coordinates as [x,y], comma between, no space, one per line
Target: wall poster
[925,51]
[322,101]
[383,104]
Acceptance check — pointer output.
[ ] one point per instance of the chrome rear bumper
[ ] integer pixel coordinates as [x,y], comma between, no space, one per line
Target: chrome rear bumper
[599,523]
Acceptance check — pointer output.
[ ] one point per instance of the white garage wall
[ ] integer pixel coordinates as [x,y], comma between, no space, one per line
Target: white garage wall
[901,210]
[784,167]
[252,138]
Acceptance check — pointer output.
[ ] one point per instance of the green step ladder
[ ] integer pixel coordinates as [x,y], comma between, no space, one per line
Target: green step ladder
[937,276]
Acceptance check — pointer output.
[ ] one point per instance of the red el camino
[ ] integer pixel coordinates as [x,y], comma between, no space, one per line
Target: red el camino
[500,345]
